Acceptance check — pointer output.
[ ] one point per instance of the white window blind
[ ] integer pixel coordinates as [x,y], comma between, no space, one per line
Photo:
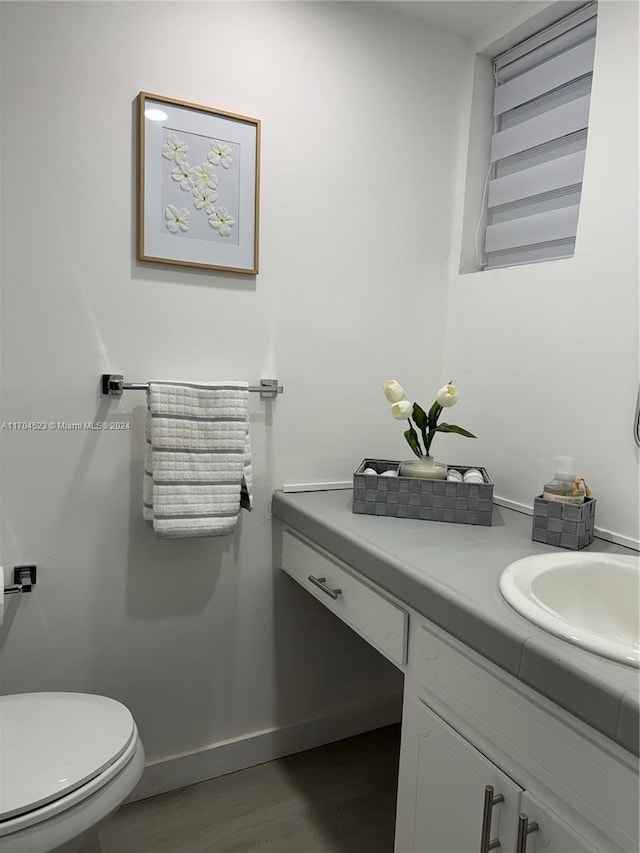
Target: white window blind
[541,116]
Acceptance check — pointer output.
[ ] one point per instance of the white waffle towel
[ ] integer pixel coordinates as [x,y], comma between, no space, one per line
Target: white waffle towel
[197,470]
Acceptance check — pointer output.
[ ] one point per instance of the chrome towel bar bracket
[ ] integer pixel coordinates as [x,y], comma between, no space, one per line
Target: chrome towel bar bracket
[113,385]
[24,577]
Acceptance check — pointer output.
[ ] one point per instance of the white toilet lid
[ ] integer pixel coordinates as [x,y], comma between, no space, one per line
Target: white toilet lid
[53,743]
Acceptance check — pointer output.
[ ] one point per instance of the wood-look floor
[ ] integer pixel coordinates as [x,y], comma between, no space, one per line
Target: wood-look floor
[338,798]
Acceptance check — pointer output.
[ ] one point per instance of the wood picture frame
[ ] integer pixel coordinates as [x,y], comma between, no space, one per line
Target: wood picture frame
[198,185]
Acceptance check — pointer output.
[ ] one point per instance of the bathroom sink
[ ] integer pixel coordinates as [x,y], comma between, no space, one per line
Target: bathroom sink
[589,599]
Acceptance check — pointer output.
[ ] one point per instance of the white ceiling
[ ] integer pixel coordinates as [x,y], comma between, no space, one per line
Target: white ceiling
[466,18]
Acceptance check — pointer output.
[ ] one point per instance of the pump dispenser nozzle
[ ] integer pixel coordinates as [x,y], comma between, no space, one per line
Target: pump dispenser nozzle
[565,468]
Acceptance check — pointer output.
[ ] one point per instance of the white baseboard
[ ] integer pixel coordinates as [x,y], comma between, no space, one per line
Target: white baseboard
[227,756]
[317,487]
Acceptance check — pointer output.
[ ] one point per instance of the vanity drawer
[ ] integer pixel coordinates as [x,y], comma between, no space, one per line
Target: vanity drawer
[377,619]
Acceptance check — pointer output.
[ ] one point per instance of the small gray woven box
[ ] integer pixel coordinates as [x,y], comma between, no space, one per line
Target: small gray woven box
[563,524]
[414,497]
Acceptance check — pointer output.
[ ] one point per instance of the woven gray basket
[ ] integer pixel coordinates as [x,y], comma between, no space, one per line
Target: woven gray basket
[414,497]
[563,524]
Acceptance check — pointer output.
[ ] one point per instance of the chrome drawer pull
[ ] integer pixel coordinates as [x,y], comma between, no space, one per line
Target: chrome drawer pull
[490,800]
[524,828]
[321,583]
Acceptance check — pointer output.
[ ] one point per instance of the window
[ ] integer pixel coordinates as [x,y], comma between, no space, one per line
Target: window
[541,114]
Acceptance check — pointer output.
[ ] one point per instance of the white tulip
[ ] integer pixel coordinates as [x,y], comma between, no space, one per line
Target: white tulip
[447,396]
[393,391]
[402,410]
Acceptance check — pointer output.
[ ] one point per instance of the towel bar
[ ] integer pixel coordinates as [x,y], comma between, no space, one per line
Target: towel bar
[113,385]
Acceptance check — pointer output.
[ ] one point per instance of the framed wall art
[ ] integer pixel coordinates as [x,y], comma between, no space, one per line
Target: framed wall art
[198,192]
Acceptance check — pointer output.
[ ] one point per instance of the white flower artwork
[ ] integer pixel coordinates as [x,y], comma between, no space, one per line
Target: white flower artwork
[213,186]
[220,154]
[202,182]
[205,176]
[177,220]
[198,182]
[182,174]
[222,221]
[174,149]
[203,199]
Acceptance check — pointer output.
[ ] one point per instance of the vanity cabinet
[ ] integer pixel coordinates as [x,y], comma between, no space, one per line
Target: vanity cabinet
[580,788]
[452,799]
[483,756]
[442,782]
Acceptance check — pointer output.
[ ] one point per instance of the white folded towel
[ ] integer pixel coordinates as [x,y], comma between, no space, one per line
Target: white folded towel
[197,470]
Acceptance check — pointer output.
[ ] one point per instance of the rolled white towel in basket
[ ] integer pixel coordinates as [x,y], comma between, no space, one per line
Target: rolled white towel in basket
[198,458]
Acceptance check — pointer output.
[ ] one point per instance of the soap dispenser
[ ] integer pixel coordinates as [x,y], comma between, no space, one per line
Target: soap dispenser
[565,487]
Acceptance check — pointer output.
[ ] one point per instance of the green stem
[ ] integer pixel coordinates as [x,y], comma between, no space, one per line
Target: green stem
[434,414]
[425,439]
[427,443]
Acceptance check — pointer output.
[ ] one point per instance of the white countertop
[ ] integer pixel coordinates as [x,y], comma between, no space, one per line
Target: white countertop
[449,574]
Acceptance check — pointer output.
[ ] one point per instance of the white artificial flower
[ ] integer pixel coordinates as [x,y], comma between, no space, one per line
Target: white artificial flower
[177,220]
[183,174]
[203,199]
[447,396]
[220,154]
[402,410]
[222,221]
[393,391]
[204,176]
[174,149]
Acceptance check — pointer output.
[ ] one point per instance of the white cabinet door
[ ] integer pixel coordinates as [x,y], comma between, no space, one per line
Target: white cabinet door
[442,785]
[553,835]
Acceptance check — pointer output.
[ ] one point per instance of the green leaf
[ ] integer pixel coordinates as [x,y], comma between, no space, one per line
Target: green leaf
[412,440]
[419,416]
[452,428]
[434,414]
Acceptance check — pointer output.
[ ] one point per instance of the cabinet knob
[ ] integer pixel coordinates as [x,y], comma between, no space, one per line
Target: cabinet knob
[524,828]
[490,800]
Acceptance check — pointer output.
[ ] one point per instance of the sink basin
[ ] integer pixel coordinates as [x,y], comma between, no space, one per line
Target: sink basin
[590,600]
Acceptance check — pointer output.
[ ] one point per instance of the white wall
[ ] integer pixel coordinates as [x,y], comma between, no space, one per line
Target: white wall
[202,639]
[546,355]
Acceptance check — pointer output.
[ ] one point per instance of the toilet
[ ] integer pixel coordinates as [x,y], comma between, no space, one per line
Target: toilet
[68,760]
